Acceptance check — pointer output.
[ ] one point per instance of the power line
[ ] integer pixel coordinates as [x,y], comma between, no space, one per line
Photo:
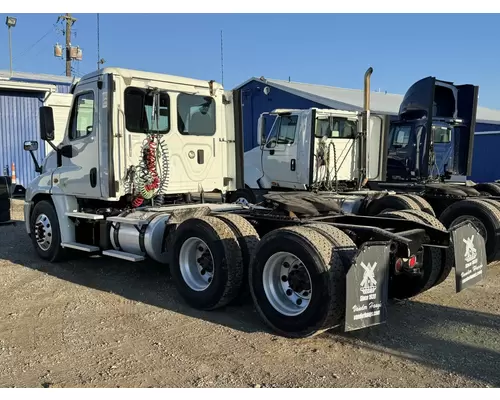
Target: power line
[38,41]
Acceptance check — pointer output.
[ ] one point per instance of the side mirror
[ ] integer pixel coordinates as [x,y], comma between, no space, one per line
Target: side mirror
[31,145]
[47,129]
[261,130]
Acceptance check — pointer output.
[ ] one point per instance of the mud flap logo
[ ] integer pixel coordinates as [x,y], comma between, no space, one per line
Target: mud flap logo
[470,257]
[367,284]
[470,251]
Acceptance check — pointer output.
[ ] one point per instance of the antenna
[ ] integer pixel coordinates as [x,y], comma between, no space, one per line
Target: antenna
[98,56]
[221,58]
[100,60]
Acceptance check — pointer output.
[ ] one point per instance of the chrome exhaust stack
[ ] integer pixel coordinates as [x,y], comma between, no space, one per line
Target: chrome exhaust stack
[365,130]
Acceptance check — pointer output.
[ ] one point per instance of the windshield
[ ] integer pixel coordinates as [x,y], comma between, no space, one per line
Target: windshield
[441,134]
[335,127]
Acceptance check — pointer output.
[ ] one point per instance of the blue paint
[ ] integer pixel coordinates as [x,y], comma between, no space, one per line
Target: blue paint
[19,121]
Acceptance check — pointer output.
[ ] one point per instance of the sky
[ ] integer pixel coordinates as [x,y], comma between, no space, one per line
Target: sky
[327,49]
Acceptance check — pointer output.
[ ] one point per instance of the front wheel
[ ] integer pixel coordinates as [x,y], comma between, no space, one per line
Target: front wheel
[45,232]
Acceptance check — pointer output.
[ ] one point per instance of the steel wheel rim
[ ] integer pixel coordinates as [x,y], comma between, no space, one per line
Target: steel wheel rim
[196,264]
[475,221]
[43,232]
[285,296]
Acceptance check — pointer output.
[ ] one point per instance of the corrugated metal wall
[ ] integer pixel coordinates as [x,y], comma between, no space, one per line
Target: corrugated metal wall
[485,166]
[19,122]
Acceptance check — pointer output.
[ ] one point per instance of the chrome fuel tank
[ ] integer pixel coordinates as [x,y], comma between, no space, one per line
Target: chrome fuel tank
[143,233]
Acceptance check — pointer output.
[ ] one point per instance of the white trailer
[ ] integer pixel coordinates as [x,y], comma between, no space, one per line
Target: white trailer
[144,172]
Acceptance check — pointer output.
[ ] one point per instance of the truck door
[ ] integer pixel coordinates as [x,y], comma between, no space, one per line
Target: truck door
[80,175]
[279,158]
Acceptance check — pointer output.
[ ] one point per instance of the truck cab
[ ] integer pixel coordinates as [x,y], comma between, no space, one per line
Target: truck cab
[406,150]
[117,114]
[432,140]
[313,148]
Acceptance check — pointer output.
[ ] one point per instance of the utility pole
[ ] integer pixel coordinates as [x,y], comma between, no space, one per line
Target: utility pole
[10,22]
[69,23]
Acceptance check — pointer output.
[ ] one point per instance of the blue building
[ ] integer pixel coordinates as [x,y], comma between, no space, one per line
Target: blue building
[21,95]
[263,95]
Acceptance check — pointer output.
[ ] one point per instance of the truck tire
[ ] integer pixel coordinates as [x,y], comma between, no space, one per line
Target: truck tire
[309,299]
[46,234]
[448,255]
[392,202]
[494,203]
[242,194]
[490,188]
[422,203]
[483,215]
[343,244]
[206,263]
[248,240]
[403,286]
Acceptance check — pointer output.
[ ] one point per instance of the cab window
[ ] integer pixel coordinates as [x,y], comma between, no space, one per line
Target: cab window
[195,115]
[400,136]
[82,116]
[335,128]
[441,134]
[139,117]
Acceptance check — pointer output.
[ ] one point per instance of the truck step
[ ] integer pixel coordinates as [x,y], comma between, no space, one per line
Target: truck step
[80,246]
[128,221]
[83,215]
[123,255]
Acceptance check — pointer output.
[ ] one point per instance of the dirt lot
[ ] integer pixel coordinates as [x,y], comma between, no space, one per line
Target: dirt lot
[105,323]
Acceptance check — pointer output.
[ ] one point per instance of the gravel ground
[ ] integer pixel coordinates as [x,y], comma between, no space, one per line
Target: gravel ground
[105,323]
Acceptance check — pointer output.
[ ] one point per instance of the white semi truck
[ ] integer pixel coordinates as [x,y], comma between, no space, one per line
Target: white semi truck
[144,171]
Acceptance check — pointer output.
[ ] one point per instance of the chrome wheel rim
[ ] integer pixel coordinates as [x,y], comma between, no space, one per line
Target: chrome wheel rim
[196,264]
[475,221]
[287,284]
[43,232]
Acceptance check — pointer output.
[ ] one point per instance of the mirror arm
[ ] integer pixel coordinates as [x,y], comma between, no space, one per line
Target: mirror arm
[52,145]
[38,169]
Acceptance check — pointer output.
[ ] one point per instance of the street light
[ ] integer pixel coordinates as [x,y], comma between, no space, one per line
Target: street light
[10,22]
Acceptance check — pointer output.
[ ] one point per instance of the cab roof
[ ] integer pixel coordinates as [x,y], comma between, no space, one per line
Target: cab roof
[151,76]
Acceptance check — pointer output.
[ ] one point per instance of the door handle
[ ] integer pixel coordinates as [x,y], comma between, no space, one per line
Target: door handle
[93,177]
[271,152]
[292,164]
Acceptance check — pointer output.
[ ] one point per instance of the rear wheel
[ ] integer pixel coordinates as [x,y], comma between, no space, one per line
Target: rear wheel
[483,215]
[392,202]
[297,282]
[206,264]
[490,188]
[404,286]
[422,203]
[343,244]
[448,256]
[248,240]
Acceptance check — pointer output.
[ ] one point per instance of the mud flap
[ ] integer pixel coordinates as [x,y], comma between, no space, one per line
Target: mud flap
[470,256]
[367,287]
